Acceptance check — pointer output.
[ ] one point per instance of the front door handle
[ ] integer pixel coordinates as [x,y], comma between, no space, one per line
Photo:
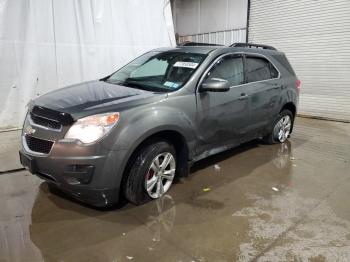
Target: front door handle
[243,96]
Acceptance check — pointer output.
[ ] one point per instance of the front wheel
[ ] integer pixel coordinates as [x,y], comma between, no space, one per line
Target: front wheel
[152,173]
[281,129]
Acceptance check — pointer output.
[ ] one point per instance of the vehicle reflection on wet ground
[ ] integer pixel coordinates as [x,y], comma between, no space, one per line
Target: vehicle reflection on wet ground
[256,202]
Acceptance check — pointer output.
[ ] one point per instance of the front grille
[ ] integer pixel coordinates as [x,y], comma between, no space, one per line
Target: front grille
[45,122]
[38,145]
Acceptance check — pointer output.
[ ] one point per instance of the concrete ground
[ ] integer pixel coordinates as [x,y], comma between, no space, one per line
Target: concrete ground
[255,203]
[9,146]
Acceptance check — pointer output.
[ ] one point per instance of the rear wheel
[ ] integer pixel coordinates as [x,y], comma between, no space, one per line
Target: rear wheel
[281,129]
[152,173]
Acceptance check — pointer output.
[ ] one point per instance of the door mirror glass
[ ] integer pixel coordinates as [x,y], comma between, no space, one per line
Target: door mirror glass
[215,85]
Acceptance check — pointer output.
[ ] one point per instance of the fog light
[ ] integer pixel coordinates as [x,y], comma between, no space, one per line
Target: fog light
[78,174]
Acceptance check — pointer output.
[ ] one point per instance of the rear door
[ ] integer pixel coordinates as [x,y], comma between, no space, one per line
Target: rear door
[262,88]
[222,117]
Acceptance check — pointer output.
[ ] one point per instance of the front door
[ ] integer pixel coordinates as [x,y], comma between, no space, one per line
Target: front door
[222,117]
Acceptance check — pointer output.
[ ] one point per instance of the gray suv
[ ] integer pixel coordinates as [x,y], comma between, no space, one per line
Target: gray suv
[130,134]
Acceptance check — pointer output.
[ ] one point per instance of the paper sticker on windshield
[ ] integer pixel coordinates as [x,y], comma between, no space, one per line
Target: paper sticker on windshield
[186,64]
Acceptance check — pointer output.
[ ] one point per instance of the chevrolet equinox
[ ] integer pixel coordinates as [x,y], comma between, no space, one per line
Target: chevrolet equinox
[131,133]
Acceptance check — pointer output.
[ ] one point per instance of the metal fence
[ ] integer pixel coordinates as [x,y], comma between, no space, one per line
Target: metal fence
[226,37]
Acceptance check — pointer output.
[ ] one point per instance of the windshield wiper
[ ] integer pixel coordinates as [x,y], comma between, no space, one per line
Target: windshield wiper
[134,85]
[111,82]
[137,84]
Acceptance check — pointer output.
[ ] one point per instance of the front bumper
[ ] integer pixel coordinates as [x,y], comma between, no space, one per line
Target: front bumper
[93,179]
[91,173]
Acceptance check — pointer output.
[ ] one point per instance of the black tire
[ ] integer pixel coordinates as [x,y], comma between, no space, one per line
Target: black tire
[272,137]
[134,184]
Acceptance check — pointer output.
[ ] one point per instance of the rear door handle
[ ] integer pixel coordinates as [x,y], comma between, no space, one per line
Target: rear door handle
[243,96]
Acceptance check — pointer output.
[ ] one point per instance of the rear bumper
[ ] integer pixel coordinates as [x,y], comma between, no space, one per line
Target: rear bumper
[94,180]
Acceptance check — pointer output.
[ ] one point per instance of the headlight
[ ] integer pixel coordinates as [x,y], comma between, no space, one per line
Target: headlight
[90,129]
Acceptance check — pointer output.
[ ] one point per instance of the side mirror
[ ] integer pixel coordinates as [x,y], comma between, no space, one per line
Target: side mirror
[215,85]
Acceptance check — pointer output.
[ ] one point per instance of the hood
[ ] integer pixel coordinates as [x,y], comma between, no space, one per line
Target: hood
[95,97]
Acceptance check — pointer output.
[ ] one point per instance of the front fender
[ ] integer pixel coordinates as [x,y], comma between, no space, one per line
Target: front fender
[139,124]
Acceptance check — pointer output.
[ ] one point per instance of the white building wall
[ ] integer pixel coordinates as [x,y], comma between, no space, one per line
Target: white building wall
[210,21]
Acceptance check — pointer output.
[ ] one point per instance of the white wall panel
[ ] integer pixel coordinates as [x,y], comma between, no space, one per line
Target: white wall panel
[315,35]
[47,44]
[196,17]
[186,16]
[213,15]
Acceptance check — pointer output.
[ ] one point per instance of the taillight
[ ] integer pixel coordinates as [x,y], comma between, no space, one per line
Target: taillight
[298,85]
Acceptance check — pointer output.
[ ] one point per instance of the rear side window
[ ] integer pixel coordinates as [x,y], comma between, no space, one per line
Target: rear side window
[258,69]
[273,70]
[282,59]
[229,68]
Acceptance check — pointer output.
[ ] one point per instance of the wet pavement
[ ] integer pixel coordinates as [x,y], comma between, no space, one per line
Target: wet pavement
[9,146]
[285,202]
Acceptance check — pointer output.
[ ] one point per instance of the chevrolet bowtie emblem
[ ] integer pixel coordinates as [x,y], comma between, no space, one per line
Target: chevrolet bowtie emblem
[30,130]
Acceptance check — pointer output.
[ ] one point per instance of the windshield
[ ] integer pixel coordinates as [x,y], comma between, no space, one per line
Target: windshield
[158,71]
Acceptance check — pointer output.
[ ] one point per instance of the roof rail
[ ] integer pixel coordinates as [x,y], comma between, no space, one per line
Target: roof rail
[250,45]
[196,44]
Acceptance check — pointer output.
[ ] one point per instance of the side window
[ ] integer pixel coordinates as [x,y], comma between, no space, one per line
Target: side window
[228,68]
[259,69]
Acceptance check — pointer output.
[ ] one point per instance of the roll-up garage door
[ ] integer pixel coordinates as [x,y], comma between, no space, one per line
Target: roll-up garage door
[315,35]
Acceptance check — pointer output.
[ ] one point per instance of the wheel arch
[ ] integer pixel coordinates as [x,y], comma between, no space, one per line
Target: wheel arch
[175,137]
[291,107]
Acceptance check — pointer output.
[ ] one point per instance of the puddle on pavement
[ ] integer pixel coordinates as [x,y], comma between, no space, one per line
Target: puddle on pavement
[237,217]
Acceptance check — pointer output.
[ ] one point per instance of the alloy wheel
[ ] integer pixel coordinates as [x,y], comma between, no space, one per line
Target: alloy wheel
[282,128]
[160,175]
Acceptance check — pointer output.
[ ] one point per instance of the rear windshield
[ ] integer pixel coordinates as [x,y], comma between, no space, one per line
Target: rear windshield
[158,71]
